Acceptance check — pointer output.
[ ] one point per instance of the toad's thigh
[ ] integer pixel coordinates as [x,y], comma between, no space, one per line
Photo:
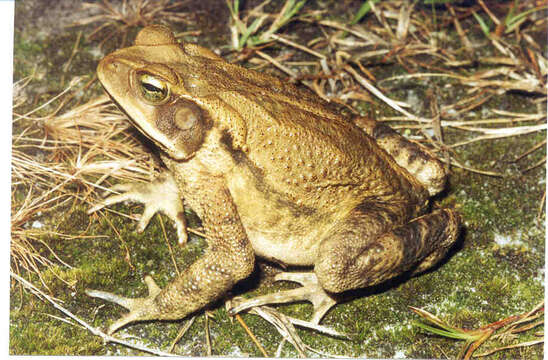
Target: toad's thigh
[354,257]
[416,159]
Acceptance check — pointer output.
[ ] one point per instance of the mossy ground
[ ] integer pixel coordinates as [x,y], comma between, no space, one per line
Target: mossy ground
[495,270]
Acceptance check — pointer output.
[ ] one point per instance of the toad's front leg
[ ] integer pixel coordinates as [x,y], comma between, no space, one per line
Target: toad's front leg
[161,195]
[228,259]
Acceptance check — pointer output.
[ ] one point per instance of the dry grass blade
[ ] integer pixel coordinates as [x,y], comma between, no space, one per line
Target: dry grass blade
[463,38]
[404,20]
[297,46]
[206,333]
[534,166]
[396,105]
[370,38]
[490,133]
[171,254]
[541,207]
[182,332]
[531,150]
[17,90]
[456,163]
[316,327]
[283,325]
[277,64]
[251,335]
[25,256]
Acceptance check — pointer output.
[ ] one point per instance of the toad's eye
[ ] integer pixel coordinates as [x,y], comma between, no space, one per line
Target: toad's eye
[153,89]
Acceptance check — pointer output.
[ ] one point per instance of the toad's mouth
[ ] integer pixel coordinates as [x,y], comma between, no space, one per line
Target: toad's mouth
[137,124]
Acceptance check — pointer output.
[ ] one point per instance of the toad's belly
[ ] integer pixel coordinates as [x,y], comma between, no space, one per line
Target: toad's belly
[278,233]
[277,228]
[285,248]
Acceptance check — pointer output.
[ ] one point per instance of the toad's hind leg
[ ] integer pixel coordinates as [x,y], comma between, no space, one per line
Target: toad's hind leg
[411,156]
[348,260]
[355,256]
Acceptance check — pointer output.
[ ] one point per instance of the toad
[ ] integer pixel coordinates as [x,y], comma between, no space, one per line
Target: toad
[273,171]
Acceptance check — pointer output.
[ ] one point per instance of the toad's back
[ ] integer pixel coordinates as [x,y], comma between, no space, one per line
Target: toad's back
[314,156]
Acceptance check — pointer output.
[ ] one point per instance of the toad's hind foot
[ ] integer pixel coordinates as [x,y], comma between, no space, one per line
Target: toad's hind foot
[311,291]
[139,308]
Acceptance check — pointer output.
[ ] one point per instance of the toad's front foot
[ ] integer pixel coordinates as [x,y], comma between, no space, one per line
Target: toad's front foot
[161,194]
[139,308]
[311,290]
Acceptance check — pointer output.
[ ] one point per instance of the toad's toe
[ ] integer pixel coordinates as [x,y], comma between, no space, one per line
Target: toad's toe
[310,291]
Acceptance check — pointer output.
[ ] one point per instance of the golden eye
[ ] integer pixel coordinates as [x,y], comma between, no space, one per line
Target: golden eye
[153,89]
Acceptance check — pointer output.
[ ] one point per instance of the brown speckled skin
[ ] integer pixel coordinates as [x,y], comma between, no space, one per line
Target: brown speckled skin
[273,171]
